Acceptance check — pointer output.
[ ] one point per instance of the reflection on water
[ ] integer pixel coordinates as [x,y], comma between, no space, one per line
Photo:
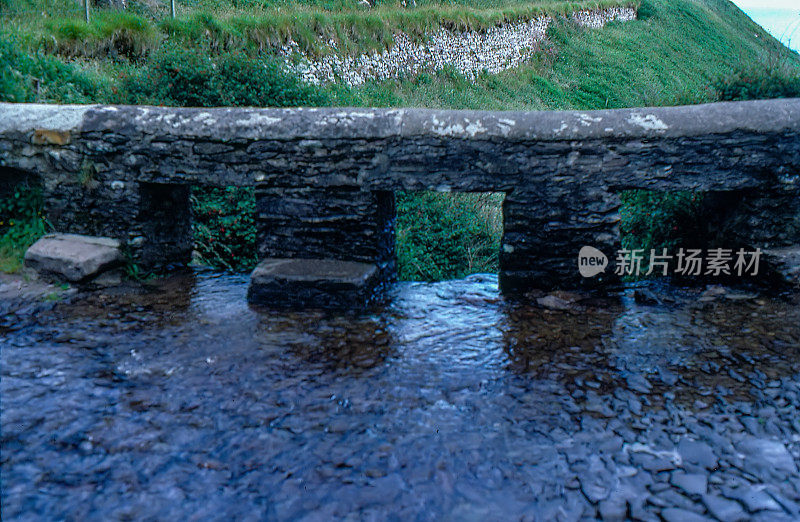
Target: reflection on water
[181,400]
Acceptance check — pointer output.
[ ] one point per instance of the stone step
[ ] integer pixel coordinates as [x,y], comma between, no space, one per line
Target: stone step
[313,283]
[72,257]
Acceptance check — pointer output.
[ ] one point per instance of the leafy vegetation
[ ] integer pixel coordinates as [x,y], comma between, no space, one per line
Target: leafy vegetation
[660,220]
[176,76]
[773,82]
[224,227]
[221,52]
[445,236]
[21,224]
[30,77]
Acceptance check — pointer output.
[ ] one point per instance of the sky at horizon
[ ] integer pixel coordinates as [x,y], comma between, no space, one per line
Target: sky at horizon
[781,18]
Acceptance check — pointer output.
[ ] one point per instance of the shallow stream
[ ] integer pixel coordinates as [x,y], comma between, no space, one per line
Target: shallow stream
[179,401]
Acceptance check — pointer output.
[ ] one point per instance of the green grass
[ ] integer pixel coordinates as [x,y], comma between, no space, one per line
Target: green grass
[21,224]
[673,56]
[259,27]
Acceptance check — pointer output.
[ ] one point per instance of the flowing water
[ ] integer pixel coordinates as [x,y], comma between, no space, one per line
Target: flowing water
[177,400]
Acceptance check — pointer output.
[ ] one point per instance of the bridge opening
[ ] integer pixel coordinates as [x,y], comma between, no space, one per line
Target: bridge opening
[443,235]
[691,221]
[224,227]
[22,219]
[166,224]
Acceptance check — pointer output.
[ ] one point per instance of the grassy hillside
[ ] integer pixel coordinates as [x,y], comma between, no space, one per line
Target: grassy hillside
[260,26]
[221,52]
[672,55]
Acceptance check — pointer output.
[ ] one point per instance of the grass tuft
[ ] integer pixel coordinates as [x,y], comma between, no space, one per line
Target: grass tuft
[21,224]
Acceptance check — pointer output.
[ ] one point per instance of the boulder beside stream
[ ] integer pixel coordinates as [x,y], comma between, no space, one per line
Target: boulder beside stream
[73,257]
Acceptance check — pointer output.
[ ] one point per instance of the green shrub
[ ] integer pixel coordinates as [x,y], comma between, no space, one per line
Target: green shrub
[195,78]
[224,227]
[175,77]
[21,224]
[657,220]
[768,83]
[27,77]
[447,236]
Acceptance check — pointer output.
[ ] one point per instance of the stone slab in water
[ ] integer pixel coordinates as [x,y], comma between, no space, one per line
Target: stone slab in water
[313,283]
[73,257]
[786,262]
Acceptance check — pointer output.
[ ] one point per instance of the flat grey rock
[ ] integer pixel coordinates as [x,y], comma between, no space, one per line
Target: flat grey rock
[682,515]
[768,454]
[315,283]
[639,383]
[724,509]
[698,453]
[593,488]
[755,499]
[73,257]
[303,270]
[613,509]
[553,302]
[691,483]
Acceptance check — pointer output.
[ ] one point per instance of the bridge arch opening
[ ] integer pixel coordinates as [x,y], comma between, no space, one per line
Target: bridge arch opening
[224,227]
[22,218]
[661,220]
[166,218]
[448,235]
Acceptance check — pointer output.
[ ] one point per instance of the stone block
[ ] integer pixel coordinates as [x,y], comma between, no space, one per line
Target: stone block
[543,232]
[785,262]
[313,283]
[73,257]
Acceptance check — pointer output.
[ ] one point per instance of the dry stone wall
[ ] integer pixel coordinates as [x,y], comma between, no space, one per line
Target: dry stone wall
[469,52]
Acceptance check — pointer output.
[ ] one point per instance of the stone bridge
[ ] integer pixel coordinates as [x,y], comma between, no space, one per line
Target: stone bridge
[325,180]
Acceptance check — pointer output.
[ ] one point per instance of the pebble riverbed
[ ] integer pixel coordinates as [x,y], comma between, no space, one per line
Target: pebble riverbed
[177,401]
[470,52]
